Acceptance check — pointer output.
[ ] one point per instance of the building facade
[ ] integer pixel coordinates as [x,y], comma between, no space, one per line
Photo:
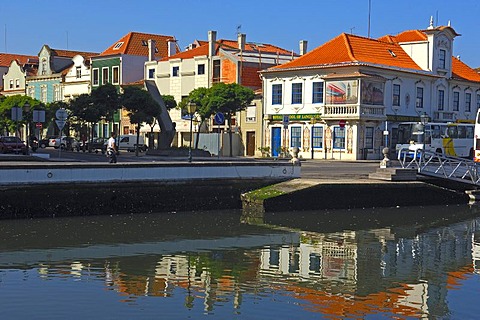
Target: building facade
[344,99]
[205,63]
[14,70]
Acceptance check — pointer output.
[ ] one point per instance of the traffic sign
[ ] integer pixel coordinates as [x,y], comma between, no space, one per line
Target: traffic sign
[38,125]
[39,115]
[219,118]
[61,114]
[342,123]
[17,114]
[60,124]
[286,120]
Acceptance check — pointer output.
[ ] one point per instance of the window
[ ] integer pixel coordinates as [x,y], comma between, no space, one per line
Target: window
[105,75]
[468,102]
[95,77]
[419,101]
[31,92]
[115,75]
[317,92]
[56,93]
[317,137]
[456,101]
[151,73]
[396,95]
[295,137]
[277,94]
[478,101]
[216,70]
[118,45]
[369,138]
[43,94]
[442,58]
[201,69]
[175,71]
[338,138]
[78,72]
[296,93]
[17,83]
[11,84]
[44,66]
[441,100]
[251,113]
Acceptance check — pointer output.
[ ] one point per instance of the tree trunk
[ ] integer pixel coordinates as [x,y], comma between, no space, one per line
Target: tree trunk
[230,133]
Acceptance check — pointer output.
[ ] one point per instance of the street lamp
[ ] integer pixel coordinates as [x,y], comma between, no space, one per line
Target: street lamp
[191,108]
[26,108]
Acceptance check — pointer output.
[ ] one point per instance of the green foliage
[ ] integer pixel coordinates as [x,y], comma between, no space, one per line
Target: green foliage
[169,100]
[229,98]
[6,105]
[106,99]
[140,105]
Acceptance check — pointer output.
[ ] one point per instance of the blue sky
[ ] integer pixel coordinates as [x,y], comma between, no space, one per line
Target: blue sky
[93,25]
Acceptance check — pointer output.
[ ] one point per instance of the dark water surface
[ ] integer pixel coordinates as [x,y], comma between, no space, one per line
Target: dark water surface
[419,262]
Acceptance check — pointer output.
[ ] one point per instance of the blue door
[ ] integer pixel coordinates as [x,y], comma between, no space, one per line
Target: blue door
[276,141]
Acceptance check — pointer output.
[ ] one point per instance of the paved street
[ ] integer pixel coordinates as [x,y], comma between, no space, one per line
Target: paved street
[311,169]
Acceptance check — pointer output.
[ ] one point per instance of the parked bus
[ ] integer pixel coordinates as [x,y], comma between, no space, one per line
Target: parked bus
[451,139]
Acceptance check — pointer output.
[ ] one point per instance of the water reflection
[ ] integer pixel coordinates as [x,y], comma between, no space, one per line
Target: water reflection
[418,262]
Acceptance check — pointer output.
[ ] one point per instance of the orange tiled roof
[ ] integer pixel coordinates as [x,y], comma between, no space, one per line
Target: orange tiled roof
[347,48]
[136,43]
[228,45]
[406,36]
[7,58]
[71,54]
[462,71]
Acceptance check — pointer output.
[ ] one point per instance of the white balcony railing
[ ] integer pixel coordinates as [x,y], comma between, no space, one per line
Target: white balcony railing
[354,112]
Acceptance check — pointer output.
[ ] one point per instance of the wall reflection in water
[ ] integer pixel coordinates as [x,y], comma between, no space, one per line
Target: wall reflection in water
[338,264]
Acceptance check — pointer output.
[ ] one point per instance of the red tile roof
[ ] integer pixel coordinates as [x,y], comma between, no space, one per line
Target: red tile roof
[462,71]
[228,45]
[136,43]
[71,54]
[7,58]
[406,36]
[347,48]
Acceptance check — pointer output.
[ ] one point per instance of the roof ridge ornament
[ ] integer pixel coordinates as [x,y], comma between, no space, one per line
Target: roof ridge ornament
[431,23]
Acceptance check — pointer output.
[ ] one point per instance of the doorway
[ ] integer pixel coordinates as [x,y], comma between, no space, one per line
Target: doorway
[250,143]
[276,141]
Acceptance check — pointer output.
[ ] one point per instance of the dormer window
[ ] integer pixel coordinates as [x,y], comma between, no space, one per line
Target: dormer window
[144,43]
[442,58]
[392,53]
[118,45]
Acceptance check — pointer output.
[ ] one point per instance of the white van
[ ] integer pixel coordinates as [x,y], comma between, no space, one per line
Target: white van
[129,141]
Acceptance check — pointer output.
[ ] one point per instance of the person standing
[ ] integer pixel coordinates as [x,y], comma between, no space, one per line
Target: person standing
[112,148]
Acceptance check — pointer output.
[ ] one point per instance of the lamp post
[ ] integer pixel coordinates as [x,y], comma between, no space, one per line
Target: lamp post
[191,108]
[423,121]
[26,108]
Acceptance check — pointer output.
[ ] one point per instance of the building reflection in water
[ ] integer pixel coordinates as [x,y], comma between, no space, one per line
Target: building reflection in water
[396,269]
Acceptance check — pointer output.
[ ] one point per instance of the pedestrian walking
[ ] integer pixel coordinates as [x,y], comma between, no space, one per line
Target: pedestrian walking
[112,148]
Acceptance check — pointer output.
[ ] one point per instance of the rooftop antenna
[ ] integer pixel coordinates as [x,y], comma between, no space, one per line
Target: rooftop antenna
[369,11]
[6,38]
[436,18]
[351,30]
[239,28]
[67,40]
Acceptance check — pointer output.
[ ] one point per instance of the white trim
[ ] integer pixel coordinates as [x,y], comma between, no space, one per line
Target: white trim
[108,76]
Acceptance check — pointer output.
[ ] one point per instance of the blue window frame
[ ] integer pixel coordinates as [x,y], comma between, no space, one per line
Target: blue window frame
[175,71]
[396,95]
[468,102]
[456,100]
[277,94]
[317,137]
[442,59]
[338,138]
[317,92]
[296,93]
[295,137]
[419,101]
[441,99]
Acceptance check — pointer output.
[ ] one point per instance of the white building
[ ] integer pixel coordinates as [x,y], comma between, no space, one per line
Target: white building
[77,79]
[336,101]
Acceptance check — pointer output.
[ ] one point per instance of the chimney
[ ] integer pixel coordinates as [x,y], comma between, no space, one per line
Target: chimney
[151,49]
[303,47]
[212,38]
[172,47]
[241,38]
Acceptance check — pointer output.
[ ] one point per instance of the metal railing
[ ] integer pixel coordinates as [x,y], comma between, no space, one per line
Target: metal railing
[440,166]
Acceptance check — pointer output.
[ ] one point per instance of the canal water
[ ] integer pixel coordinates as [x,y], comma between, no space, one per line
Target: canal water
[418,262]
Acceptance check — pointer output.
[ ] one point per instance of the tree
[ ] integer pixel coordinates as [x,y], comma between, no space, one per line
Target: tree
[141,108]
[106,100]
[7,125]
[199,96]
[229,99]
[169,100]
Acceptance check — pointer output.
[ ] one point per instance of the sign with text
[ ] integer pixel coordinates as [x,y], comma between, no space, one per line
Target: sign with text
[60,124]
